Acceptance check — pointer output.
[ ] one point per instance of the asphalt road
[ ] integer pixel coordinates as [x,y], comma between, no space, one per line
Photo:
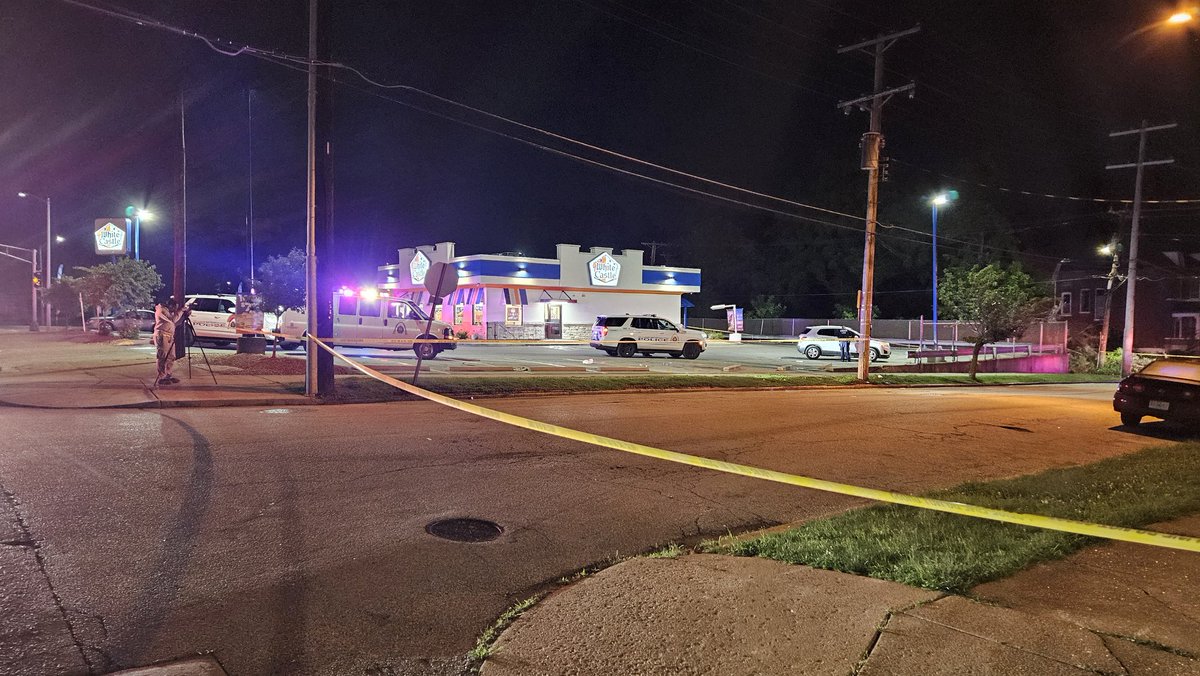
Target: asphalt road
[721,356]
[293,541]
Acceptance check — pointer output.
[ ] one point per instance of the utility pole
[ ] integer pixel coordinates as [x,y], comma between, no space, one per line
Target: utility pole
[1131,276]
[318,379]
[179,227]
[1113,247]
[872,142]
[654,250]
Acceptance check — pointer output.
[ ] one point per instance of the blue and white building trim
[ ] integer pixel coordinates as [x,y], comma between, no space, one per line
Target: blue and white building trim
[511,296]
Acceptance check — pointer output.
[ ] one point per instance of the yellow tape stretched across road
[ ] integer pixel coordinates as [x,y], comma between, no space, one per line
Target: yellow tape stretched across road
[1145,537]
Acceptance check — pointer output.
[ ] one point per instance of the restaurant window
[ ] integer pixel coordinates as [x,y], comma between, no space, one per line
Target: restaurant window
[1064,304]
[512,315]
[1085,301]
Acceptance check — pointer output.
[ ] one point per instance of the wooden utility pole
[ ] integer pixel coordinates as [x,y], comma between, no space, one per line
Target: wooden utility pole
[1131,277]
[872,142]
[318,379]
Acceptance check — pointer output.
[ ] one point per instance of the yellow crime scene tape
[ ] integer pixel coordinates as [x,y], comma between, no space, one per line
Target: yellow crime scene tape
[1145,537]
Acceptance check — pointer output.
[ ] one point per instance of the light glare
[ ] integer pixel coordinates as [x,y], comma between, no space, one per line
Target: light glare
[1180,17]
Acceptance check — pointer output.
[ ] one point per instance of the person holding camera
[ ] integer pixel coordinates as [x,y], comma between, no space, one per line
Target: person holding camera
[167,316]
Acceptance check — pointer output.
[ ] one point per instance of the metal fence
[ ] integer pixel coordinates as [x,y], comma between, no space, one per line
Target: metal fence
[1041,337]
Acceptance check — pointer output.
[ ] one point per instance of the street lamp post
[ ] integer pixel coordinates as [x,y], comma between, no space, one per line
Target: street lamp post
[730,308]
[1115,249]
[47,272]
[137,215]
[939,200]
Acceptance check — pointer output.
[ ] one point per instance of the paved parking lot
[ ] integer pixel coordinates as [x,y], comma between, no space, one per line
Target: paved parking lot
[721,357]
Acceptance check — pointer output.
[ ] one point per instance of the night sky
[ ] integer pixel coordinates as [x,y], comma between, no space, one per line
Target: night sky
[1012,93]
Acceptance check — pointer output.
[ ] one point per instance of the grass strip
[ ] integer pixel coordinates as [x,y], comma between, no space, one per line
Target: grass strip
[483,645]
[359,388]
[953,553]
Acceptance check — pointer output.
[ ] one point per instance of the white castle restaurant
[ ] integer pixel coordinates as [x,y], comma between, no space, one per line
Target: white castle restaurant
[513,296]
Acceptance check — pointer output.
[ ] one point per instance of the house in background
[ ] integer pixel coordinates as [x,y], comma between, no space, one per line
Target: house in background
[1167,308]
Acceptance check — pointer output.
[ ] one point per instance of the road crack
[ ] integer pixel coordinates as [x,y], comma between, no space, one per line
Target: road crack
[35,545]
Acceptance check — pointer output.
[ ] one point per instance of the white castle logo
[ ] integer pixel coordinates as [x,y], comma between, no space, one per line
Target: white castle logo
[418,267]
[604,270]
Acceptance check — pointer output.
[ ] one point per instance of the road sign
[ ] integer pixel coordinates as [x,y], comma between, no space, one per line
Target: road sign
[441,280]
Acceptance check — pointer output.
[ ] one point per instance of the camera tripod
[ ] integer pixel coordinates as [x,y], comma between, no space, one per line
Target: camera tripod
[190,332]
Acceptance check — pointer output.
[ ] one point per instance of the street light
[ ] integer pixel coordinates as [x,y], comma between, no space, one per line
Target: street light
[1113,249]
[939,200]
[734,334]
[138,215]
[46,272]
[1180,17]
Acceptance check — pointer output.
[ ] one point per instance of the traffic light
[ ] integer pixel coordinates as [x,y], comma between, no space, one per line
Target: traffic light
[37,281]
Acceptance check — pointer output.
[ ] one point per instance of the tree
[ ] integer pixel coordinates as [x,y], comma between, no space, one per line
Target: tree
[1001,301]
[64,296]
[126,284]
[765,307]
[281,283]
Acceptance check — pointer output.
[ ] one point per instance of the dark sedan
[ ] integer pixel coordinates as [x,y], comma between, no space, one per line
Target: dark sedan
[1166,388]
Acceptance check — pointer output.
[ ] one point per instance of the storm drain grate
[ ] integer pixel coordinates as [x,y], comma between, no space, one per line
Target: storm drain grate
[465,530]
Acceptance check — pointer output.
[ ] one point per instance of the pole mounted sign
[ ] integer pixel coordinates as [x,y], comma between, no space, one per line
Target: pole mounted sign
[112,236]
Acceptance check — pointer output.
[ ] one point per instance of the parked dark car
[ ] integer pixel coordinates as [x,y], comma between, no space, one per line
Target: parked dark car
[1166,388]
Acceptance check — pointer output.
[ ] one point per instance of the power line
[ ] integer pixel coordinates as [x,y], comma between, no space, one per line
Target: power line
[722,59]
[1030,193]
[300,64]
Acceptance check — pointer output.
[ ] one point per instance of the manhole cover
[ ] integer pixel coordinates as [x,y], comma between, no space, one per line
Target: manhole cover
[465,530]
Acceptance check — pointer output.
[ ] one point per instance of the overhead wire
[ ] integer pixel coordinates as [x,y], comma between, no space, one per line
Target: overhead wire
[718,57]
[283,58]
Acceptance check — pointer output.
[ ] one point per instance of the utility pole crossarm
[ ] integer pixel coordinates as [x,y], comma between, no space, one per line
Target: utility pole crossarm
[890,39]
[1134,165]
[1139,130]
[865,102]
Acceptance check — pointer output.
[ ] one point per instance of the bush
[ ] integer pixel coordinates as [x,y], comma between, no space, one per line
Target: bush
[130,330]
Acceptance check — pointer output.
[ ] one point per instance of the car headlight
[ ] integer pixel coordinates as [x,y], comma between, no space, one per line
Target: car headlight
[704,335]
[886,346]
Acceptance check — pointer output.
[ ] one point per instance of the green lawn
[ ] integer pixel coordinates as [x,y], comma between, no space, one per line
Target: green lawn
[936,550]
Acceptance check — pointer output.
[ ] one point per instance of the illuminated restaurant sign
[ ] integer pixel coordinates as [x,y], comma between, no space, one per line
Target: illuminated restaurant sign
[111,239]
[604,270]
[419,267]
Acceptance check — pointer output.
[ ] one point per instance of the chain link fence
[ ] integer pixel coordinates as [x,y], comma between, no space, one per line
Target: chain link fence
[919,333]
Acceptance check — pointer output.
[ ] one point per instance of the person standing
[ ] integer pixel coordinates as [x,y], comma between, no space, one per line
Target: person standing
[167,316]
[844,337]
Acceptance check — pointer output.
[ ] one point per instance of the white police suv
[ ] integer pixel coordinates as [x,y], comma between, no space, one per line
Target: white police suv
[627,335]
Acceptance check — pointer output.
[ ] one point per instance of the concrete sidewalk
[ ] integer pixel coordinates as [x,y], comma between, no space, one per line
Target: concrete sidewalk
[132,386]
[1116,608]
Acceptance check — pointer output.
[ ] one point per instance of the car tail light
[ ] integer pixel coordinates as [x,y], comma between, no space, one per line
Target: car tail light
[603,331]
[1137,387]
[1187,394]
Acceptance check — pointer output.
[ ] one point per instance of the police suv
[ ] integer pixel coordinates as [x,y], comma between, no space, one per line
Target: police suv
[627,335]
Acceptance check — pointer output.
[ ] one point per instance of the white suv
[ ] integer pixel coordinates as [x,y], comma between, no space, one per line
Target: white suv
[213,317]
[824,341]
[626,335]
